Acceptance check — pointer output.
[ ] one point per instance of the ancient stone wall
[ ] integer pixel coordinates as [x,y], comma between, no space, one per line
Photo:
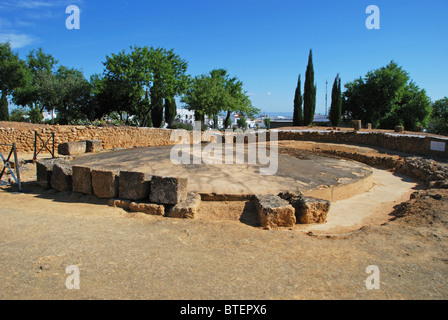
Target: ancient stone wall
[128,137]
[111,137]
[424,145]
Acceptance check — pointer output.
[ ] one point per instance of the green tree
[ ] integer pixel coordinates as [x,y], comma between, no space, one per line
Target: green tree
[439,117]
[169,79]
[298,101]
[242,123]
[4,113]
[74,95]
[35,92]
[336,102]
[267,123]
[216,92]
[125,78]
[128,75]
[386,97]
[12,76]
[309,96]
[170,111]
[19,114]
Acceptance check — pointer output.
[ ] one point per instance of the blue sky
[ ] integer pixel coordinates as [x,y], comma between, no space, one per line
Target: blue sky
[264,43]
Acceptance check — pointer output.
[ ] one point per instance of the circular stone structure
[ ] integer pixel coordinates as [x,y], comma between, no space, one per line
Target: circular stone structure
[323,177]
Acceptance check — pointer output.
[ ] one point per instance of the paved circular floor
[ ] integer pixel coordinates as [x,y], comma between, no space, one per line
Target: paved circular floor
[306,173]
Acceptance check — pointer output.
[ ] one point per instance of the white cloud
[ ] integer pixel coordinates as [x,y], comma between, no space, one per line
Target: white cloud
[17,41]
[32,4]
[36,4]
[269,93]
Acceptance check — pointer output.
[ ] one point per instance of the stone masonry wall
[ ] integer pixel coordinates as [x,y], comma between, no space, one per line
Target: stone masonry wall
[128,137]
[111,137]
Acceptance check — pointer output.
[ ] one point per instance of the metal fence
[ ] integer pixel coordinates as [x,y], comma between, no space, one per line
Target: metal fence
[6,165]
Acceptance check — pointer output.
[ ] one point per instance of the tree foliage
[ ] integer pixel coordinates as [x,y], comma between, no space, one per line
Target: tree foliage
[386,97]
[129,75]
[298,101]
[439,117]
[336,102]
[309,96]
[216,92]
[12,76]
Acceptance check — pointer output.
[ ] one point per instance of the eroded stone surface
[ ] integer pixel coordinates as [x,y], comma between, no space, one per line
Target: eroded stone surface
[147,208]
[134,185]
[311,210]
[168,190]
[72,148]
[105,183]
[187,209]
[274,212]
[61,179]
[82,180]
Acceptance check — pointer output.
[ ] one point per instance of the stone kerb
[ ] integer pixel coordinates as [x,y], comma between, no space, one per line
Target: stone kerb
[61,179]
[82,179]
[105,183]
[168,190]
[134,186]
[274,212]
[44,171]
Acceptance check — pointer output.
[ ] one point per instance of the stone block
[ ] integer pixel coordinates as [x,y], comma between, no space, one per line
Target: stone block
[357,125]
[147,208]
[167,190]
[44,171]
[72,148]
[105,183]
[116,203]
[399,129]
[61,179]
[82,180]
[311,210]
[134,185]
[274,212]
[187,209]
[94,145]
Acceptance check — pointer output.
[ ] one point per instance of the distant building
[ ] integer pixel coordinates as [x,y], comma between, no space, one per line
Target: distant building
[49,115]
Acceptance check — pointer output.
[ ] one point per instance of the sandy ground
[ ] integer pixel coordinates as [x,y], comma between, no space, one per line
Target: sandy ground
[223,254]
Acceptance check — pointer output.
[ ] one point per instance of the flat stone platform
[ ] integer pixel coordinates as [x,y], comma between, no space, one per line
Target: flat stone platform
[323,177]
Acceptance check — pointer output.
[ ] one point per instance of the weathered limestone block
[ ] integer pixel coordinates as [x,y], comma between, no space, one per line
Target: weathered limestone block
[61,179]
[274,212]
[44,170]
[116,203]
[167,190]
[147,208]
[82,180]
[105,183]
[72,148]
[134,185]
[311,210]
[187,209]
[94,145]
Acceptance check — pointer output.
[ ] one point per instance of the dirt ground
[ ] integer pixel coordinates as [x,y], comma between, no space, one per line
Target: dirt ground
[224,256]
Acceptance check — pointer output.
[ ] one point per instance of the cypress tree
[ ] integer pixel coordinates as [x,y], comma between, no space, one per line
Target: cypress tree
[336,102]
[156,107]
[4,110]
[298,100]
[309,96]
[170,111]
